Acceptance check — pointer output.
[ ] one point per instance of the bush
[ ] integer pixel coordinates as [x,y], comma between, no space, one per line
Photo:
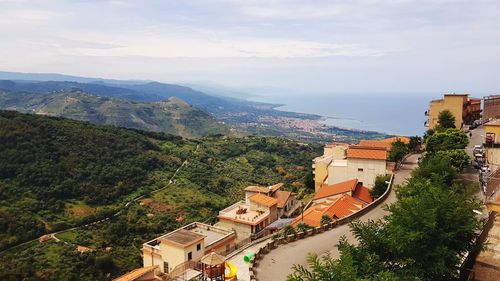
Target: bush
[325,219]
[380,186]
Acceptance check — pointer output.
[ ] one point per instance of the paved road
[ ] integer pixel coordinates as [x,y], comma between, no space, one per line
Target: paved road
[277,264]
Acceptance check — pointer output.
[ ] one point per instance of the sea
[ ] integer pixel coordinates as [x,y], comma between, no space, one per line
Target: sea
[398,114]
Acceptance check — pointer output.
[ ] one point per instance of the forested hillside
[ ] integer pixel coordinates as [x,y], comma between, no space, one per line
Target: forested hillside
[57,173]
[172,115]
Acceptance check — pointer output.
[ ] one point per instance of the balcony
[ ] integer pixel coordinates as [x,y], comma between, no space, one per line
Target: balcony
[426,113]
[426,124]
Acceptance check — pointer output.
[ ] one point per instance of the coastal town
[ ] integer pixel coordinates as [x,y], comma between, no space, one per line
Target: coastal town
[269,230]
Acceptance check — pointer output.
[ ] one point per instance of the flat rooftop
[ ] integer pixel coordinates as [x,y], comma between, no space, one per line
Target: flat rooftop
[212,233]
[245,215]
[191,234]
[183,237]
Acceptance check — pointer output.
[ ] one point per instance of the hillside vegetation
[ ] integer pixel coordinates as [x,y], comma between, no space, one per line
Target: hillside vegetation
[172,116]
[57,173]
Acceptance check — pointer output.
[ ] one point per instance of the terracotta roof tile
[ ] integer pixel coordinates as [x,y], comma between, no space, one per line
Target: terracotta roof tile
[282,197]
[345,206]
[262,199]
[364,152]
[376,143]
[330,190]
[362,193]
[335,209]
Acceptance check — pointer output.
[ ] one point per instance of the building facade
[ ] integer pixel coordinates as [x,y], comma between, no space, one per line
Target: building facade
[464,109]
[491,107]
[186,244]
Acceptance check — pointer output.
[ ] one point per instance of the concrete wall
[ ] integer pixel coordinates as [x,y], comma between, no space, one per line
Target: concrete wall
[365,170]
[243,231]
[320,172]
[149,258]
[175,256]
[337,172]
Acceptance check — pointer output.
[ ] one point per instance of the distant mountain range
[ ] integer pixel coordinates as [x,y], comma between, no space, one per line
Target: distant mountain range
[172,116]
[136,104]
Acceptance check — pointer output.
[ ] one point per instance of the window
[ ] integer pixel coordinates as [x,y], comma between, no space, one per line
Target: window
[165,267]
[190,256]
[360,169]
[198,247]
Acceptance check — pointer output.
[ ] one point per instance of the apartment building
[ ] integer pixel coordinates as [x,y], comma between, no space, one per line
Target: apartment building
[464,109]
[333,151]
[186,244]
[491,107]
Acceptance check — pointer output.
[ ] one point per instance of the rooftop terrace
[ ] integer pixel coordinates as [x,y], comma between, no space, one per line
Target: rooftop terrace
[192,233]
[241,212]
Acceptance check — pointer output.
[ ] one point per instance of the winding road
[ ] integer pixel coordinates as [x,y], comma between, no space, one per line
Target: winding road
[277,264]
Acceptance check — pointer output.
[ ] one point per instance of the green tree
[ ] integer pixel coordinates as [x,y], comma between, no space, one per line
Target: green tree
[449,139]
[414,143]
[430,227]
[398,151]
[325,219]
[380,186]
[446,119]
[437,169]
[458,158]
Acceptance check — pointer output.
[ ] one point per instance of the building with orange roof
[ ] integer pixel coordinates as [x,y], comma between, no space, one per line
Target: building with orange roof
[186,244]
[328,192]
[331,152]
[334,209]
[287,202]
[364,161]
[362,193]
[257,211]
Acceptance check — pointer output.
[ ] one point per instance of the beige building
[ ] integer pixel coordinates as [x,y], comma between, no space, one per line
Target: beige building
[287,202]
[249,217]
[362,163]
[464,109]
[333,151]
[186,244]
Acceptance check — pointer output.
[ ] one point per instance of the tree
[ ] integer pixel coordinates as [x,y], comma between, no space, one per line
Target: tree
[380,186]
[398,151]
[325,219]
[430,227]
[449,139]
[446,119]
[414,143]
[458,158]
[437,169]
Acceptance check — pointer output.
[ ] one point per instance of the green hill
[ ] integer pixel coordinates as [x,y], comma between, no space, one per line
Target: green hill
[56,173]
[172,116]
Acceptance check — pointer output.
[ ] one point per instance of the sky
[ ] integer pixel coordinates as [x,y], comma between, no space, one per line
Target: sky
[274,46]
